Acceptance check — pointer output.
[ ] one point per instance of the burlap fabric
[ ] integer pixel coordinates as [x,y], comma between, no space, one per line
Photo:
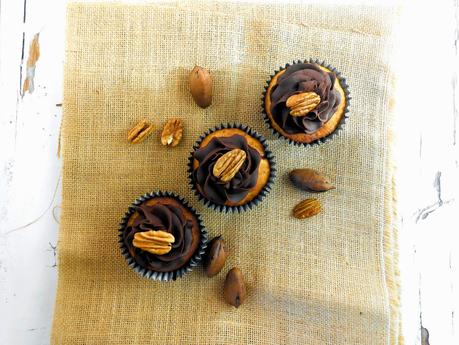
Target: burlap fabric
[330,279]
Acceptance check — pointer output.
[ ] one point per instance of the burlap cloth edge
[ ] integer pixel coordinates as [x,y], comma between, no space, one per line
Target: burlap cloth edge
[390,249]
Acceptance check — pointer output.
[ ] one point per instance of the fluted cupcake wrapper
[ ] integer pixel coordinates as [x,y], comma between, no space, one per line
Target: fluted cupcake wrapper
[255,201]
[342,122]
[155,275]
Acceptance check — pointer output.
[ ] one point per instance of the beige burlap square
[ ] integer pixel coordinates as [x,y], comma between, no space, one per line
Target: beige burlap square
[331,279]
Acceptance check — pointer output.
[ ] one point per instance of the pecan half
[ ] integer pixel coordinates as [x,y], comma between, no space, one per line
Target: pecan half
[140,132]
[154,241]
[302,103]
[307,208]
[172,132]
[229,164]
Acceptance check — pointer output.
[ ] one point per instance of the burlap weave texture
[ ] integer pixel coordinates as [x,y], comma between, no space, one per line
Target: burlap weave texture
[319,281]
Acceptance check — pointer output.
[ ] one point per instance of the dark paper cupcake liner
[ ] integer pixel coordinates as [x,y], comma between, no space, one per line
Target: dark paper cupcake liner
[254,202]
[342,122]
[155,275]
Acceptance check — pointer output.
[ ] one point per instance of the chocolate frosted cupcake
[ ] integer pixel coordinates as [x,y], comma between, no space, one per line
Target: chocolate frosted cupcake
[231,168]
[162,237]
[306,102]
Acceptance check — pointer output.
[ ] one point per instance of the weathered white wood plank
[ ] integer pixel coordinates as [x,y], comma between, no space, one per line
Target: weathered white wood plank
[31,169]
[11,15]
[427,171]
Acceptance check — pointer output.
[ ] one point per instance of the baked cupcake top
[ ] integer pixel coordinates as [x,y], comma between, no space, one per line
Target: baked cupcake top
[305,102]
[230,167]
[161,235]
[304,98]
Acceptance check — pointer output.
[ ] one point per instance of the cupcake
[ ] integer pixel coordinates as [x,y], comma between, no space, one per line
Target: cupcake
[231,168]
[161,236]
[306,102]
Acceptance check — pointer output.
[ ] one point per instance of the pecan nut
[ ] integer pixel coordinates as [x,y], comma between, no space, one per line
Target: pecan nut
[140,132]
[234,290]
[216,256]
[154,241]
[307,208]
[201,86]
[302,103]
[228,165]
[172,133]
[310,180]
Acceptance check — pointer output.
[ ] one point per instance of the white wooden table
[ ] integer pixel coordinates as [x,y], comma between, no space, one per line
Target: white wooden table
[426,152]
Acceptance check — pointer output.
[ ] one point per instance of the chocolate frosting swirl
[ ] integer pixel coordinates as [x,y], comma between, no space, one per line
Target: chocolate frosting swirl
[237,188]
[304,77]
[168,218]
